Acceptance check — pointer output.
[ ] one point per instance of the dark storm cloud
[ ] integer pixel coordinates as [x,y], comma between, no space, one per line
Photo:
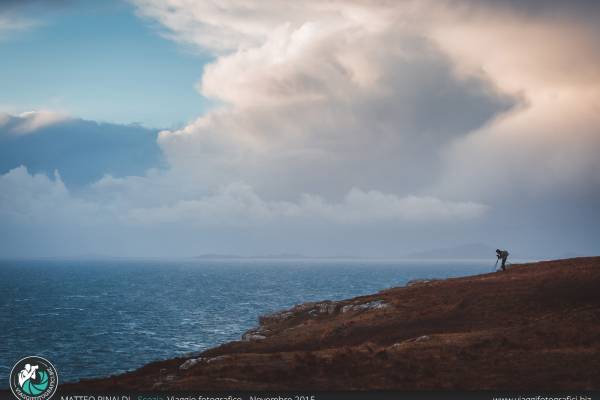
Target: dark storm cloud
[81,151]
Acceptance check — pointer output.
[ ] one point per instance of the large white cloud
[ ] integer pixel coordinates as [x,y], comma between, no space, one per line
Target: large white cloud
[321,98]
[549,145]
[497,103]
[407,96]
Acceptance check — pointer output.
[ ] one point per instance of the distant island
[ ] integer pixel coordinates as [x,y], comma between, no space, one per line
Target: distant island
[533,326]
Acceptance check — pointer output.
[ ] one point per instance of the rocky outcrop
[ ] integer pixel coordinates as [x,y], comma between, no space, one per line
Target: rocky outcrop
[371,305]
[534,326]
[278,321]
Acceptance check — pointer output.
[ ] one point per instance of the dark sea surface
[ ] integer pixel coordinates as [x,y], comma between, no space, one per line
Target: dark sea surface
[96,318]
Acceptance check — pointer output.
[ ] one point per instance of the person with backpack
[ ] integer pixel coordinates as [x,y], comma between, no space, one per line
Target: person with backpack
[502,255]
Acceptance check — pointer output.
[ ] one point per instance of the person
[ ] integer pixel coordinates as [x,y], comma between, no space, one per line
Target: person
[27,373]
[502,254]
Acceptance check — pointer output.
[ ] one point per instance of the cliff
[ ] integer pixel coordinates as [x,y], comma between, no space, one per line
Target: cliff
[535,326]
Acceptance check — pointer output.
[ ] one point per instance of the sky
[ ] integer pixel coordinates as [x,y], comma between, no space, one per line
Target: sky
[176,128]
[96,60]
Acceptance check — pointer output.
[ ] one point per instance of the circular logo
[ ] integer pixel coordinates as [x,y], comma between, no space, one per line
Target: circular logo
[33,378]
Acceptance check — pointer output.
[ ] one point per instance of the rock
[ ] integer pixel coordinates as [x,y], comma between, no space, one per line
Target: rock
[415,282]
[258,333]
[200,360]
[316,309]
[371,305]
[275,317]
[327,307]
[300,308]
[190,363]
[250,337]
[311,309]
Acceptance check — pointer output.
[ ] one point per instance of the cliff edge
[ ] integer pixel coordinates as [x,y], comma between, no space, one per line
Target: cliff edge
[535,326]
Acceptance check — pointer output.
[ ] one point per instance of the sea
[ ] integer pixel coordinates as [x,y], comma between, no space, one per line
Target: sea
[95,318]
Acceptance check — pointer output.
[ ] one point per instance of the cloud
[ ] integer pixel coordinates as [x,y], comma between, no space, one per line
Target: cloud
[495,103]
[17,16]
[39,197]
[238,204]
[83,151]
[10,24]
[341,127]
[322,99]
[458,100]
[36,198]
[31,121]
[108,215]
[548,146]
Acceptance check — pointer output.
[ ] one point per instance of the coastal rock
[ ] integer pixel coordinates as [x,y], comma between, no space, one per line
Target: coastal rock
[310,309]
[415,282]
[327,307]
[190,363]
[275,317]
[259,333]
[249,337]
[371,305]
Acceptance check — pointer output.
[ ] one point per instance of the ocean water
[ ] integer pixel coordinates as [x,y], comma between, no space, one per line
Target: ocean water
[96,318]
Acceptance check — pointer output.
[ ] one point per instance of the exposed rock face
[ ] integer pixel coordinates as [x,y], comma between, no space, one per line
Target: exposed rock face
[190,363]
[415,282]
[248,337]
[371,305]
[534,326]
[306,309]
